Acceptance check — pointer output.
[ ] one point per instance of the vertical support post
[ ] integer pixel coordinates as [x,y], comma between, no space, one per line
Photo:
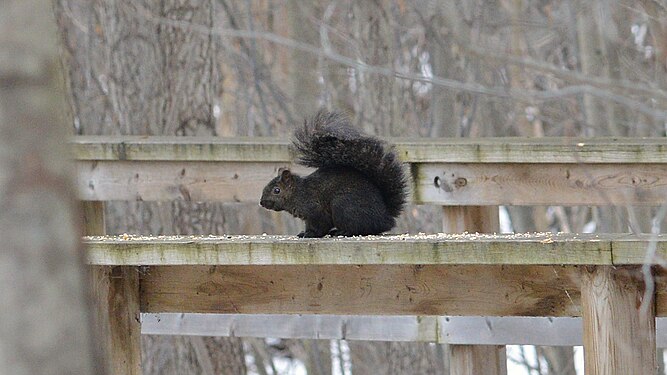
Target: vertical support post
[478,359]
[116,297]
[618,337]
[482,219]
[474,359]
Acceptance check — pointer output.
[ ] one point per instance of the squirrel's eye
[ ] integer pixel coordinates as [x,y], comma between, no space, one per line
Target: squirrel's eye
[276,190]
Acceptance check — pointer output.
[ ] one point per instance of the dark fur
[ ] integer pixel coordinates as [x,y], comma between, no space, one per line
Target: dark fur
[359,187]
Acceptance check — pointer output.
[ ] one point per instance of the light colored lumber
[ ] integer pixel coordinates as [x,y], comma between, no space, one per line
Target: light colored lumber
[458,219]
[165,181]
[540,184]
[459,150]
[363,290]
[618,338]
[116,300]
[451,184]
[477,360]
[462,330]
[540,248]
[119,148]
[93,218]
[343,327]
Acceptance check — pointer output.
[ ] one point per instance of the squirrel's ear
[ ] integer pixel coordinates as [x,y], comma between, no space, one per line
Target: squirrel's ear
[285,175]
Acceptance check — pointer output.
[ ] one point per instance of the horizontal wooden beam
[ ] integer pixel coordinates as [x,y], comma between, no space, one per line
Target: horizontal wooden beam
[363,290]
[482,290]
[451,184]
[466,184]
[457,249]
[455,150]
[468,274]
[460,330]
[167,181]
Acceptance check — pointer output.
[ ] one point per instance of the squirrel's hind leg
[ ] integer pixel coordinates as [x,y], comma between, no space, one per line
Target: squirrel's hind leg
[354,219]
[335,232]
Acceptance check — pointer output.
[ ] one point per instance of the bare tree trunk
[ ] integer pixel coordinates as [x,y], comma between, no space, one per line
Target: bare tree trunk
[315,354]
[396,358]
[45,314]
[304,75]
[133,72]
[560,359]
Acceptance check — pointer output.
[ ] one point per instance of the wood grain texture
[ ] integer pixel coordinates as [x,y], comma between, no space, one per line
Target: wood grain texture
[117,295]
[537,249]
[94,225]
[363,290]
[478,360]
[618,339]
[451,184]
[168,148]
[459,150]
[166,181]
[116,301]
[540,184]
[458,219]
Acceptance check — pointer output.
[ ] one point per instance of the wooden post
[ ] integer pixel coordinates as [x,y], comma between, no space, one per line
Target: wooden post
[478,359]
[482,219]
[618,338]
[116,297]
[474,359]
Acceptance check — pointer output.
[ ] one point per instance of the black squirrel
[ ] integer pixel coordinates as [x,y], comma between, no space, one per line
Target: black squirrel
[359,187]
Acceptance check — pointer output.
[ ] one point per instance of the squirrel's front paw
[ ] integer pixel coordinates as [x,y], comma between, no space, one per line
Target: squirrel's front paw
[301,235]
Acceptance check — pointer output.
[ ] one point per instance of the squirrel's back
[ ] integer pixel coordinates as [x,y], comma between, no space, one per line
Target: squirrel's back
[329,140]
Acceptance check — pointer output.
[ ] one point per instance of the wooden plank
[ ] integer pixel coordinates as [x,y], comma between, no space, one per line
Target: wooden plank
[506,249]
[93,218]
[459,150]
[438,183]
[94,225]
[116,302]
[540,184]
[462,330]
[634,250]
[117,293]
[117,148]
[618,337]
[459,219]
[477,360]
[165,181]
[363,290]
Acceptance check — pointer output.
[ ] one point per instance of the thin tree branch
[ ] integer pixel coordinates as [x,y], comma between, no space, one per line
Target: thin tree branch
[502,92]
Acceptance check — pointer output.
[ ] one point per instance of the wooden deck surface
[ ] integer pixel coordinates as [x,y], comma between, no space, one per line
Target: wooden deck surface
[420,249]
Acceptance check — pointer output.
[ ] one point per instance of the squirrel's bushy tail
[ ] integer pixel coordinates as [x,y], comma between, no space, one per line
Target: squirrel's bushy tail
[329,140]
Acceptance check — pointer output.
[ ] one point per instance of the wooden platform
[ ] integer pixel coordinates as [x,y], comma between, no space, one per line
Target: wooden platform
[416,282]
[487,275]
[422,249]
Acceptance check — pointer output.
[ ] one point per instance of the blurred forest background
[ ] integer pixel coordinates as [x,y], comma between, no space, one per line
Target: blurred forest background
[467,68]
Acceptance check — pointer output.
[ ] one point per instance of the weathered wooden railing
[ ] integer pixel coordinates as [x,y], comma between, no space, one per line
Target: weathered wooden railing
[455,174]
[459,172]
